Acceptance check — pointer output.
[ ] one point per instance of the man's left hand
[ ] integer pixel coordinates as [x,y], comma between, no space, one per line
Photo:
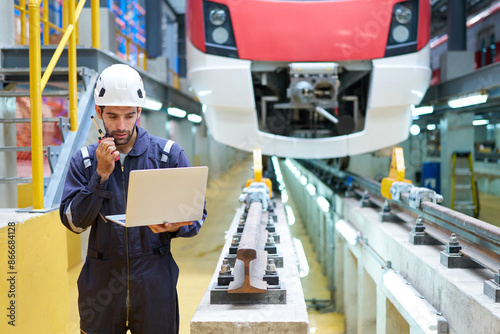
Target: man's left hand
[168,227]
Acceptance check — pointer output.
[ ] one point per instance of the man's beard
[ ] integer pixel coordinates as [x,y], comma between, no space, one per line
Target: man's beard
[120,141]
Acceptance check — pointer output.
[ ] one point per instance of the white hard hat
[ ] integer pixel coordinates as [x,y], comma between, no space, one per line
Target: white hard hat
[119,85]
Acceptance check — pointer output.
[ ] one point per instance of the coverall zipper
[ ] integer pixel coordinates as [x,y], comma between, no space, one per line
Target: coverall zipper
[126,248]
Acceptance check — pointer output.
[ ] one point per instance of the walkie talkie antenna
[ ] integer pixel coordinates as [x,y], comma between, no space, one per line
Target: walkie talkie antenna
[101,134]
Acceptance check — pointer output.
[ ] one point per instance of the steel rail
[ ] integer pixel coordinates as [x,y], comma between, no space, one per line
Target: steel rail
[251,260]
[480,240]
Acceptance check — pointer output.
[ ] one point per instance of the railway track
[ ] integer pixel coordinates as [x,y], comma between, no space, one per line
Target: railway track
[478,241]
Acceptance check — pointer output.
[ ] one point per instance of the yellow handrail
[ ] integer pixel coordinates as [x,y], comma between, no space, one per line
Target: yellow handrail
[46,28]
[55,27]
[140,50]
[47,25]
[36,103]
[38,83]
[55,57]
[72,67]
[96,24]
[65,13]
[22,9]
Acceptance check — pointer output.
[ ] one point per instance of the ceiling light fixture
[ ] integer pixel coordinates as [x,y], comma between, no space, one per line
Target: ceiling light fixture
[176,112]
[468,100]
[421,110]
[194,118]
[152,104]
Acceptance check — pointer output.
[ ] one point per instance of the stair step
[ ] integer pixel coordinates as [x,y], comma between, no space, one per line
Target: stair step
[8,93]
[28,120]
[462,171]
[18,149]
[464,205]
[463,186]
[21,74]
[16,179]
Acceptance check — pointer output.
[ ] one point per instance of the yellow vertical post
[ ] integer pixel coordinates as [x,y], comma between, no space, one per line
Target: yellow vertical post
[46,28]
[96,24]
[22,4]
[257,164]
[127,48]
[36,103]
[72,69]
[257,171]
[77,30]
[65,14]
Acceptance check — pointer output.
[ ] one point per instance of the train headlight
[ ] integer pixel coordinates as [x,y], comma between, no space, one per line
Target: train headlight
[220,35]
[217,16]
[400,34]
[402,14]
[403,31]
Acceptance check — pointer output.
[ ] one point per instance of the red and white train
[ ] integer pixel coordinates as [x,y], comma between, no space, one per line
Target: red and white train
[309,79]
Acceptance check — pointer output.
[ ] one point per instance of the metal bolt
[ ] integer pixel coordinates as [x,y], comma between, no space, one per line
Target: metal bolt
[453,246]
[419,221]
[270,241]
[235,241]
[419,225]
[453,239]
[225,268]
[271,267]
[387,207]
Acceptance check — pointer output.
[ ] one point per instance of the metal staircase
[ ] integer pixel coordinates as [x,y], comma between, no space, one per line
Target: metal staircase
[15,82]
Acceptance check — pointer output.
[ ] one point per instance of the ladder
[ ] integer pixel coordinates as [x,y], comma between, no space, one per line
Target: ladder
[464,196]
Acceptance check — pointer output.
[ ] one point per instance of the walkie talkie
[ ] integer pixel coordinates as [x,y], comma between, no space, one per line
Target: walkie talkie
[102,135]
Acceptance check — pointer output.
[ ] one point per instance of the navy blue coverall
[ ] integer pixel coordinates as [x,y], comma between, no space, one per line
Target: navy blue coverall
[129,277]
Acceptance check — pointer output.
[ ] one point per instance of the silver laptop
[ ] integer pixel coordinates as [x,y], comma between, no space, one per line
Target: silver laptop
[169,195]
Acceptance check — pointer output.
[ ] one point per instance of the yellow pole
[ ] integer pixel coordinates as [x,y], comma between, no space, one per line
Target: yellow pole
[36,104]
[65,13]
[60,47]
[257,164]
[72,69]
[46,28]
[127,48]
[77,31]
[96,24]
[22,4]
[55,58]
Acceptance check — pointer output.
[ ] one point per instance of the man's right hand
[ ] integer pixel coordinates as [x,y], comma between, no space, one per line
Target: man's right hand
[106,153]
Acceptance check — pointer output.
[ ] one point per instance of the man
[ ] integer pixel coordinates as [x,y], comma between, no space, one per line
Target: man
[129,277]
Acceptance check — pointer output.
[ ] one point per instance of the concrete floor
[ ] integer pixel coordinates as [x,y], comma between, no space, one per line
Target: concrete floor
[198,256]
